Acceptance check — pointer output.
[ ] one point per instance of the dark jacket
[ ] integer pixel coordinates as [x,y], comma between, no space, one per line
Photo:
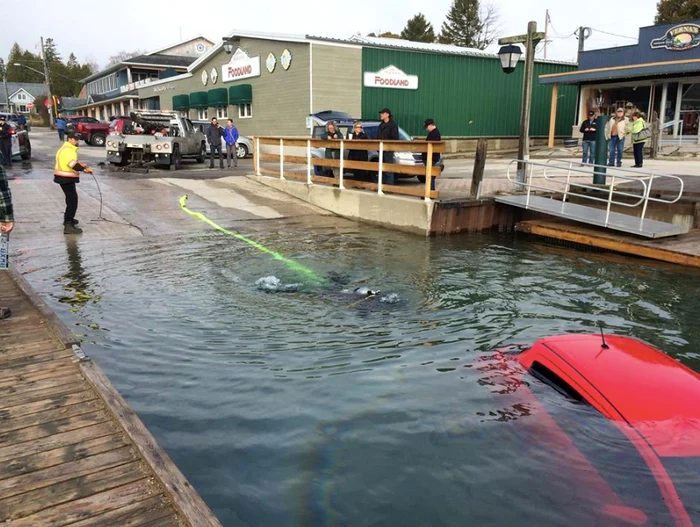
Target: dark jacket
[358,155]
[388,131]
[332,153]
[214,134]
[5,132]
[591,124]
[433,136]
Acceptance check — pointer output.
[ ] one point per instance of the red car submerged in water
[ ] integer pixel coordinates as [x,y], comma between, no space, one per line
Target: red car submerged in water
[650,404]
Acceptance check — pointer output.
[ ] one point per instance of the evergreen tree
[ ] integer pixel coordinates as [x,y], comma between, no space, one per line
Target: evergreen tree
[52,54]
[418,29]
[677,10]
[72,61]
[468,25]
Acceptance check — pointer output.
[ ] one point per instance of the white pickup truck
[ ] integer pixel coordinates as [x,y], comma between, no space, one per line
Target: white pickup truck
[156,138]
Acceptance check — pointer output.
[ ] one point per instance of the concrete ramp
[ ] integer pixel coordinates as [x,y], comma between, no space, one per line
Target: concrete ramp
[593,216]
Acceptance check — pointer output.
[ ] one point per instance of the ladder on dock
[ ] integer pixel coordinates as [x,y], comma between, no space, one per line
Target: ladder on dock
[635,193]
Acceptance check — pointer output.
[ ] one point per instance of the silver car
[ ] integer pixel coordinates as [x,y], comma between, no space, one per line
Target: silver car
[245,144]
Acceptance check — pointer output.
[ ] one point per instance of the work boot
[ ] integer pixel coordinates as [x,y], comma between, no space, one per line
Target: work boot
[5,313]
[70,228]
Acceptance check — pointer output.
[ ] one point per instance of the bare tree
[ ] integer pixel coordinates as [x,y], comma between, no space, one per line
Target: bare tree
[490,25]
[124,55]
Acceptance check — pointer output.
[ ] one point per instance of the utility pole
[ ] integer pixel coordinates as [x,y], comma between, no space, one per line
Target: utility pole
[48,83]
[4,81]
[531,39]
[546,31]
[581,38]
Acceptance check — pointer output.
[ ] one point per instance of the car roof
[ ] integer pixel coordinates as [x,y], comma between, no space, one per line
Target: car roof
[634,383]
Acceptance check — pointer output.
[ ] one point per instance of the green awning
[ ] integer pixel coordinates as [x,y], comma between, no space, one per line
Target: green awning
[218,97]
[199,99]
[181,102]
[240,94]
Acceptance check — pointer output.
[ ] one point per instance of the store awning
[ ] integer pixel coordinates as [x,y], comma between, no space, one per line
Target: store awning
[199,99]
[624,72]
[218,97]
[181,102]
[240,94]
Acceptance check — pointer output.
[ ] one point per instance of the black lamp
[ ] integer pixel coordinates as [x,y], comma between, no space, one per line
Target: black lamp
[509,55]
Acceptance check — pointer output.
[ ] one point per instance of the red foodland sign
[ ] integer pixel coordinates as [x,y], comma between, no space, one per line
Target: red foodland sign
[241,66]
[391,77]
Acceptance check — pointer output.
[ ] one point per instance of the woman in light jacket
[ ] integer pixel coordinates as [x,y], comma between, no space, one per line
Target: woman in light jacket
[638,125]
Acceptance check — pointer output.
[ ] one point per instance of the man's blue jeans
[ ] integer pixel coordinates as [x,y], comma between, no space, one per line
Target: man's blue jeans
[617,146]
[588,152]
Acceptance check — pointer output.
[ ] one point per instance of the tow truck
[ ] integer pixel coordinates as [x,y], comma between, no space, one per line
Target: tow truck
[156,138]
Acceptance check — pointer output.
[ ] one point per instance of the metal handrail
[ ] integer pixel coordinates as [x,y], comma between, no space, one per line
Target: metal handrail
[646,179]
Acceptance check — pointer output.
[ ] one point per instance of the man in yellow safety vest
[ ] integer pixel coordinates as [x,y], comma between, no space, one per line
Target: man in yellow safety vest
[67,174]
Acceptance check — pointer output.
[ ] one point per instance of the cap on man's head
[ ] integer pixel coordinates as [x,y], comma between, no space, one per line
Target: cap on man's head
[73,135]
[2,117]
[428,122]
[620,109]
[385,110]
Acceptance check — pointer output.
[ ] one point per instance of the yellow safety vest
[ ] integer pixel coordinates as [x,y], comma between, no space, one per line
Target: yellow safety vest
[66,159]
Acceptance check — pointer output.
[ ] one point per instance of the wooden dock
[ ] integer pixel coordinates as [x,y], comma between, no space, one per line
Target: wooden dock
[71,451]
[682,250]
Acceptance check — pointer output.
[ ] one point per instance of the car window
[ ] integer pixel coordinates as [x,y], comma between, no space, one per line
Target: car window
[371,131]
[318,132]
[188,125]
[403,136]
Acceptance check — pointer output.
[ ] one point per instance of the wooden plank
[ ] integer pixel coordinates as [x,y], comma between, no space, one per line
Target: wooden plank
[56,427]
[366,185]
[372,166]
[58,456]
[617,243]
[55,441]
[67,471]
[47,344]
[479,165]
[34,359]
[34,370]
[137,514]
[368,144]
[185,499]
[64,368]
[553,115]
[8,401]
[28,503]
[57,402]
[43,418]
[28,386]
[168,521]
[100,503]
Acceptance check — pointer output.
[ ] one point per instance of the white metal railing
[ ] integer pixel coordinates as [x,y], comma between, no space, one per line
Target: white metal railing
[645,178]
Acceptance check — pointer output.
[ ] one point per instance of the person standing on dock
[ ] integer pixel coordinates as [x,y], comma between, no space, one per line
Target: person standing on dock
[615,132]
[214,135]
[67,174]
[588,129]
[640,135]
[434,136]
[231,138]
[7,220]
[388,131]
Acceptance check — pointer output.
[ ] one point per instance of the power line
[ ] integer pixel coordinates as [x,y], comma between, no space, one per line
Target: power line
[613,34]
[556,33]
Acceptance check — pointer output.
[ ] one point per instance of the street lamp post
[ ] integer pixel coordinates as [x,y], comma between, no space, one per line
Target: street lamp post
[4,82]
[509,61]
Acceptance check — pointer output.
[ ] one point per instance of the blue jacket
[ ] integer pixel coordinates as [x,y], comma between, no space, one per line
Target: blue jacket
[231,135]
[60,124]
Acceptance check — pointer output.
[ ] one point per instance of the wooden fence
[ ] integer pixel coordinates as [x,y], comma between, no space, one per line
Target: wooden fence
[283,158]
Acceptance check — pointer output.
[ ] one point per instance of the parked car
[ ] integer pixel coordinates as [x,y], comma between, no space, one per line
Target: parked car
[21,145]
[92,131]
[245,144]
[371,128]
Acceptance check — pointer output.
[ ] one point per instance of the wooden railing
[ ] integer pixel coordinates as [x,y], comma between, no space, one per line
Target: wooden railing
[284,158]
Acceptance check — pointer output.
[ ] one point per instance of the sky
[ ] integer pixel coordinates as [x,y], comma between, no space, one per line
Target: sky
[99,29]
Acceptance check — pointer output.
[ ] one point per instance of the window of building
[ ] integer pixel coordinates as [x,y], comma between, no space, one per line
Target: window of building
[245,111]
[202,114]
[22,108]
[103,85]
[222,112]
[184,114]
[143,75]
[21,97]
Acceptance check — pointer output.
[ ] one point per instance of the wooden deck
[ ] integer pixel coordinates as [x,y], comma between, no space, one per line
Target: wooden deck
[71,451]
[683,249]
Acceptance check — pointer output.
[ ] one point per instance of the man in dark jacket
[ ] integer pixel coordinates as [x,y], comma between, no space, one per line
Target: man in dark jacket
[588,129]
[5,142]
[433,136]
[7,220]
[388,131]
[214,135]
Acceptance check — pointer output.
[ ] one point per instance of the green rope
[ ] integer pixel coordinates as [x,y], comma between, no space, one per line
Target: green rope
[304,271]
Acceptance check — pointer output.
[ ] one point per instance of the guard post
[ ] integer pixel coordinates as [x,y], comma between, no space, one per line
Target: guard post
[601,151]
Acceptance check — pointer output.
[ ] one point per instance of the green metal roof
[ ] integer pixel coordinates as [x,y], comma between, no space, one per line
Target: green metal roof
[181,102]
[240,94]
[199,99]
[218,97]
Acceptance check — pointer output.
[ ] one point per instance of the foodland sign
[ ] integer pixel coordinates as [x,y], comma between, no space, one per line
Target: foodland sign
[241,66]
[391,77]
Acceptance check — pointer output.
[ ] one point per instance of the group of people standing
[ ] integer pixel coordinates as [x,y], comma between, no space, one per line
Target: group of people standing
[387,130]
[217,136]
[616,130]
